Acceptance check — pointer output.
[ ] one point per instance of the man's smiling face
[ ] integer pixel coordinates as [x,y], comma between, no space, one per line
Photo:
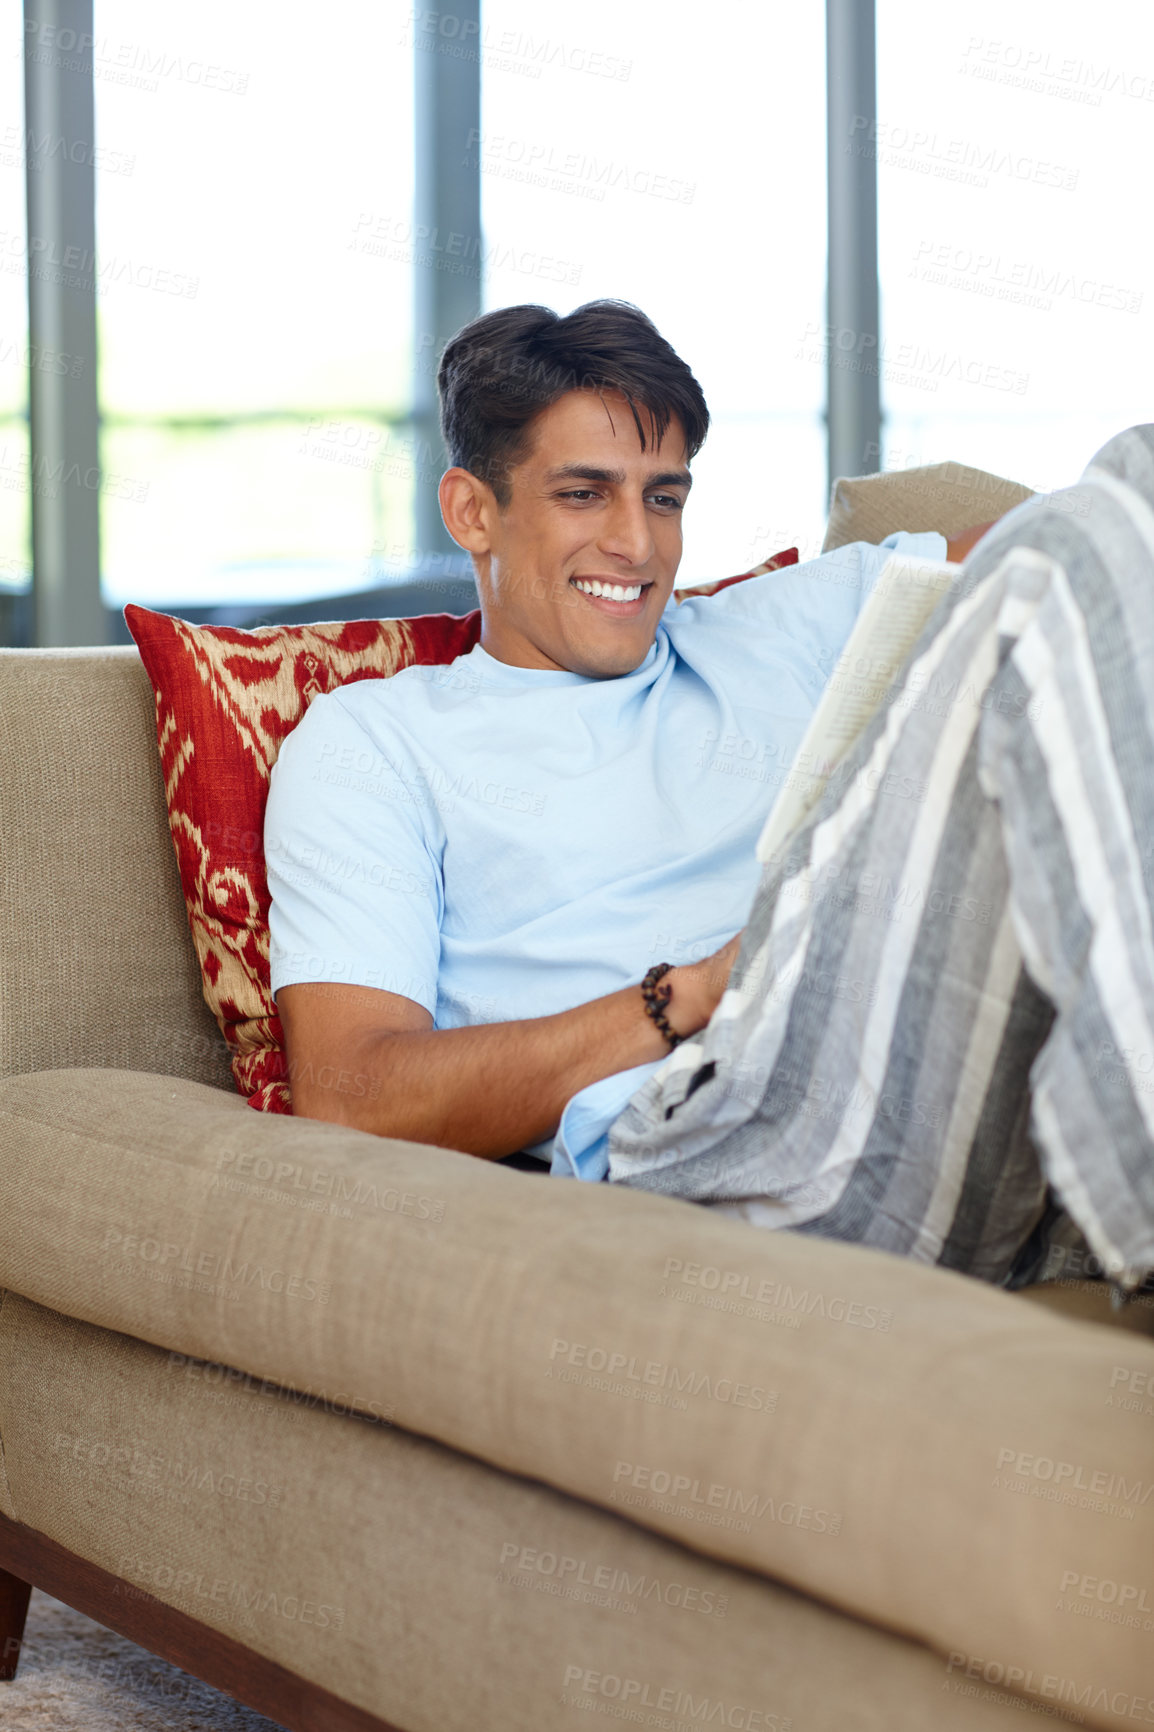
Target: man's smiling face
[578,566]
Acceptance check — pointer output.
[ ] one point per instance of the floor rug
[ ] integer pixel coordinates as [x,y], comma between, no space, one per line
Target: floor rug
[76,1676]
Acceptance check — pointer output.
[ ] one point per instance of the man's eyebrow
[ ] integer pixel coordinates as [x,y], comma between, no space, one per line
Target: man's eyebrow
[616,477]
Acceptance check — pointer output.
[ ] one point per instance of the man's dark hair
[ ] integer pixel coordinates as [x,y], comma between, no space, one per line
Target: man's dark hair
[501,371]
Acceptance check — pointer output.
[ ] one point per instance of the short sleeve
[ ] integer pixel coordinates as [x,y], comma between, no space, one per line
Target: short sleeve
[792,624]
[822,597]
[353,856]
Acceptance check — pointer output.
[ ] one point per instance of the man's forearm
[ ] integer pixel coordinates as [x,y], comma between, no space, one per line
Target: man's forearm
[499,1087]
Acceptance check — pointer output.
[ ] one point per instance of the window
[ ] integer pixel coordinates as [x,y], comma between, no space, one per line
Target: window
[261,376]
[681,167]
[1013,150]
[254,193]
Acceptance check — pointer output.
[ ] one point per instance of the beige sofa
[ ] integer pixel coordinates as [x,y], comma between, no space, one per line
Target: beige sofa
[373,1434]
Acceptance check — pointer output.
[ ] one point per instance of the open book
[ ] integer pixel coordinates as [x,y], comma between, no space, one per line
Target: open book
[905,595]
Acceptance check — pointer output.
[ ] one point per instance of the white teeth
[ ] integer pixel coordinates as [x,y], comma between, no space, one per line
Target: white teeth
[615,591]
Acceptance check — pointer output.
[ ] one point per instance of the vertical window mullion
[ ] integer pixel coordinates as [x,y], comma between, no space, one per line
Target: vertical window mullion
[448,255]
[60,161]
[853,400]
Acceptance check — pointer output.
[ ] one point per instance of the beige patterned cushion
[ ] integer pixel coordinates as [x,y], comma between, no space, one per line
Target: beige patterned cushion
[947,497]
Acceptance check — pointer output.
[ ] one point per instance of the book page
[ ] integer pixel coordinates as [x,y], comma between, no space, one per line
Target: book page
[905,595]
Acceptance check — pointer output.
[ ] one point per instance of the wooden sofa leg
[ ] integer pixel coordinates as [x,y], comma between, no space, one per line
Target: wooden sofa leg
[14,1597]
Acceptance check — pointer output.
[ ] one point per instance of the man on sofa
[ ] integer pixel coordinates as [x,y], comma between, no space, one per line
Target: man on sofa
[485,986]
[512,842]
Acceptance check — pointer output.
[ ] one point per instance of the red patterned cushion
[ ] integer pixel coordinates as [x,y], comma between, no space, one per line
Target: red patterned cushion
[225,700]
[773,563]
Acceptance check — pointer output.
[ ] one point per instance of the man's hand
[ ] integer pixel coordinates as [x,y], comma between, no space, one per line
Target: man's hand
[370,1059]
[957,549]
[698,988]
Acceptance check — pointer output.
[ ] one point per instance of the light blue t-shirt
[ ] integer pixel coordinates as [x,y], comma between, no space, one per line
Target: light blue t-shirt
[499,842]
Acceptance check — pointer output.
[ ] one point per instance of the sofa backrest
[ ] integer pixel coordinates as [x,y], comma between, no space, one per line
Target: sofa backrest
[97,967]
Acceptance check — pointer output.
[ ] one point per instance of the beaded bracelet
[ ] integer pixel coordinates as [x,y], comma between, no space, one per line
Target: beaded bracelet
[656,998]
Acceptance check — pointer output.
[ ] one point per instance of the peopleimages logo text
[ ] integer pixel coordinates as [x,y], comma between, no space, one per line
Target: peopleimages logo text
[530,1561]
[170,1257]
[737,1284]
[1072,1476]
[657,1374]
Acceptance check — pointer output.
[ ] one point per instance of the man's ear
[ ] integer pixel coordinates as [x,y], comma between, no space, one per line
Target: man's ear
[468,507]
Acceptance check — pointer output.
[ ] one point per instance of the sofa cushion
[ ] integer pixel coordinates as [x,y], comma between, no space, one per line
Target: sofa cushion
[401,1575]
[225,701]
[948,497]
[898,1441]
[1085,1300]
